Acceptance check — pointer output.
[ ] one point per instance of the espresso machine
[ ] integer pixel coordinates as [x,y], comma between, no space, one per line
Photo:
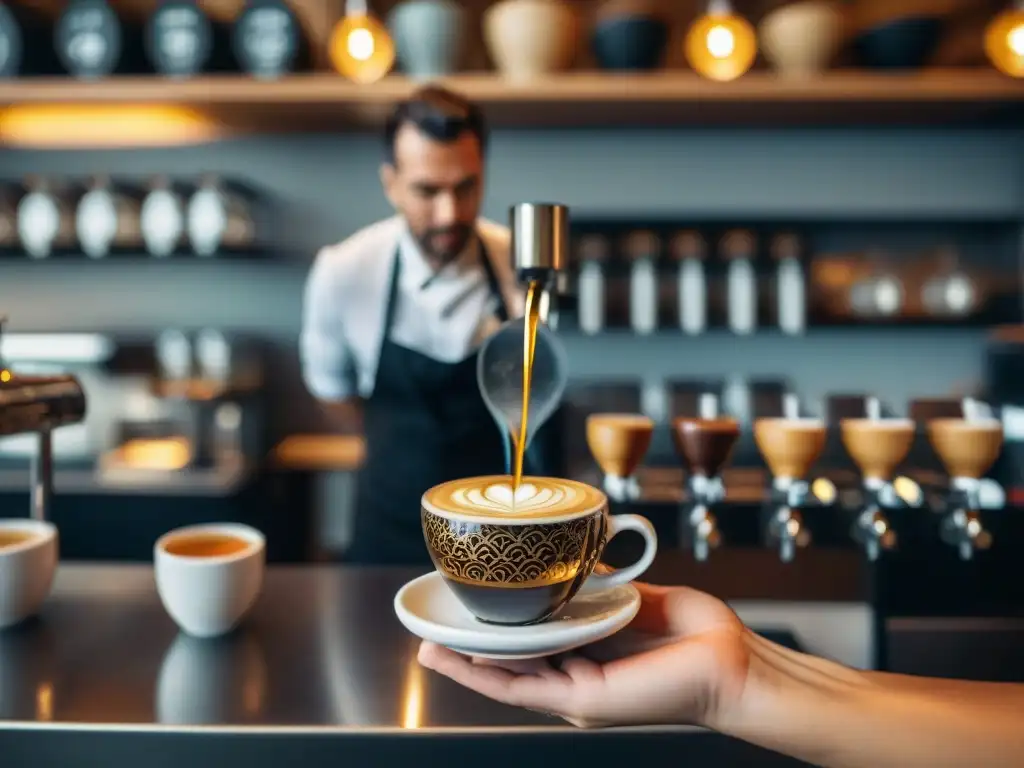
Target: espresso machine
[950,598]
[540,250]
[791,447]
[38,404]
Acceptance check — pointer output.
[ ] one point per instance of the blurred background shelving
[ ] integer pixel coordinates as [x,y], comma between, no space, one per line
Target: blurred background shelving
[326,102]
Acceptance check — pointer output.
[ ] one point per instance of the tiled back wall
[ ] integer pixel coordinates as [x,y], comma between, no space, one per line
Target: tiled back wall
[327,187]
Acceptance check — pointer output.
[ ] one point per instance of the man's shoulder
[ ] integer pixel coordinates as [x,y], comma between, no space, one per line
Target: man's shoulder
[497,238]
[498,241]
[365,245]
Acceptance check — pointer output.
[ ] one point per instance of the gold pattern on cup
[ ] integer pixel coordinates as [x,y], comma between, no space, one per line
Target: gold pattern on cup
[967,449]
[522,571]
[877,446]
[790,446]
[619,441]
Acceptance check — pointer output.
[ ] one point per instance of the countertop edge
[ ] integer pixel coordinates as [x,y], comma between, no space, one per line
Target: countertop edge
[298,730]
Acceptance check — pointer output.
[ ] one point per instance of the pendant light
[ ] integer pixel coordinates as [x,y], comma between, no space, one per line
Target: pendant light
[360,47]
[1004,40]
[721,45]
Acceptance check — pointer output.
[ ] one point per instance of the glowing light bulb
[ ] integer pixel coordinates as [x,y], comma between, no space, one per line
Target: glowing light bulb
[1004,41]
[721,42]
[360,44]
[1016,40]
[721,45]
[361,49]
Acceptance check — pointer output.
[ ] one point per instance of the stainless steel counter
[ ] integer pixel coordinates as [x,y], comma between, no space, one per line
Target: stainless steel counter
[217,481]
[320,670]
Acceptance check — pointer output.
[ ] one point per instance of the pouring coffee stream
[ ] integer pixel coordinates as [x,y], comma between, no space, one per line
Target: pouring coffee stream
[540,235]
[531,316]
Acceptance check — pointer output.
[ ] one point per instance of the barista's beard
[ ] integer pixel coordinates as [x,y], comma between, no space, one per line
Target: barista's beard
[441,259]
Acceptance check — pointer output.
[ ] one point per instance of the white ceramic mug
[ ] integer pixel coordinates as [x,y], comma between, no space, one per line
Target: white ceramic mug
[26,569]
[208,595]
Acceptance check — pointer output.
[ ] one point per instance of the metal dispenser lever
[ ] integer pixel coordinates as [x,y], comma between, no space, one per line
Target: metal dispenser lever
[540,247]
[38,404]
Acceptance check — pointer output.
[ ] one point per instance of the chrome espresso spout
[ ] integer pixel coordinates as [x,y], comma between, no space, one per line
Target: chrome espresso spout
[540,248]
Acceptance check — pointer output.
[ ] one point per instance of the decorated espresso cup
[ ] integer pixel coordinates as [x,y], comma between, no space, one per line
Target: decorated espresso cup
[518,559]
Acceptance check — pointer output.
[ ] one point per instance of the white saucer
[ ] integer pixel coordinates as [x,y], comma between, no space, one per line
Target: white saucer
[428,609]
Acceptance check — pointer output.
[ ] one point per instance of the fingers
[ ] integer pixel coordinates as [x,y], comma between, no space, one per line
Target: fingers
[530,691]
[538,667]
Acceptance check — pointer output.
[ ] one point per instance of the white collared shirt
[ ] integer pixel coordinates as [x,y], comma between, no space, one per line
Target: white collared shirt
[346,297]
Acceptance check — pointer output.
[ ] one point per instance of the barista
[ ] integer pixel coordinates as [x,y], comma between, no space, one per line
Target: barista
[394,316]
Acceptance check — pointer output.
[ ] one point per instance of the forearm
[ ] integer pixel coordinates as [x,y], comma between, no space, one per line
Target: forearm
[963,690]
[833,716]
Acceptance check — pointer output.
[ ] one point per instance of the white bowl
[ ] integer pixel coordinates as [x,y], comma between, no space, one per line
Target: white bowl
[26,570]
[209,596]
[800,40]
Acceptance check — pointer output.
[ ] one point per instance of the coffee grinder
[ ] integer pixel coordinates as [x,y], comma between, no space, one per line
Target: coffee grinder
[704,445]
[968,448]
[618,443]
[878,446]
[790,447]
[38,404]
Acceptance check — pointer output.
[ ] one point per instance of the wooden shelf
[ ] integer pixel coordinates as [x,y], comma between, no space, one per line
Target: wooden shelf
[584,99]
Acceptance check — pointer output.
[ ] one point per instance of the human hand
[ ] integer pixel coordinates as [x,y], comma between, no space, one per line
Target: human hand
[685,658]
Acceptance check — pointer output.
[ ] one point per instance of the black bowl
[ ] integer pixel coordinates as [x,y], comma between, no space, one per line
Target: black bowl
[905,43]
[629,43]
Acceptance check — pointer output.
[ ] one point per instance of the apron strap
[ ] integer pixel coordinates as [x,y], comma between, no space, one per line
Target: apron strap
[396,270]
[492,281]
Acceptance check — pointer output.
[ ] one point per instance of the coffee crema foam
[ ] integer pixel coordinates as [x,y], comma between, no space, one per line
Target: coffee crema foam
[492,497]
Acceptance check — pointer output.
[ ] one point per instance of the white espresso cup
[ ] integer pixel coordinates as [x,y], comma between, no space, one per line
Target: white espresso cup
[209,576]
[28,560]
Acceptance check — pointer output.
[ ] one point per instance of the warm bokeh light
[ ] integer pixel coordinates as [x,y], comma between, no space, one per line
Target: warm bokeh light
[162,454]
[44,702]
[908,490]
[721,45]
[5,376]
[1004,41]
[824,490]
[413,692]
[91,126]
[361,49]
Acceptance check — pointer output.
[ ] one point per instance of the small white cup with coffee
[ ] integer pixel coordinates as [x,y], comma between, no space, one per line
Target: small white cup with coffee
[28,561]
[209,576]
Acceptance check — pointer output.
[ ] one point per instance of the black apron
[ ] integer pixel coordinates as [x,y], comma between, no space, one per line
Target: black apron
[425,423]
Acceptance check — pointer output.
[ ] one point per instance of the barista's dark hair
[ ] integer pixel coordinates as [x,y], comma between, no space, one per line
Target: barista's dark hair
[440,114]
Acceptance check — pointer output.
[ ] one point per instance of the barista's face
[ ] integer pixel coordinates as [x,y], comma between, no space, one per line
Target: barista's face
[437,187]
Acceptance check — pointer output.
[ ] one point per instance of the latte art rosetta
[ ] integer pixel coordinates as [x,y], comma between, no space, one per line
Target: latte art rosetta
[500,498]
[537,497]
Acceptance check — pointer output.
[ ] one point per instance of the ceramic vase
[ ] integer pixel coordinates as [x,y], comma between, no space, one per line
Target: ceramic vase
[629,35]
[428,37]
[899,44]
[530,38]
[801,39]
